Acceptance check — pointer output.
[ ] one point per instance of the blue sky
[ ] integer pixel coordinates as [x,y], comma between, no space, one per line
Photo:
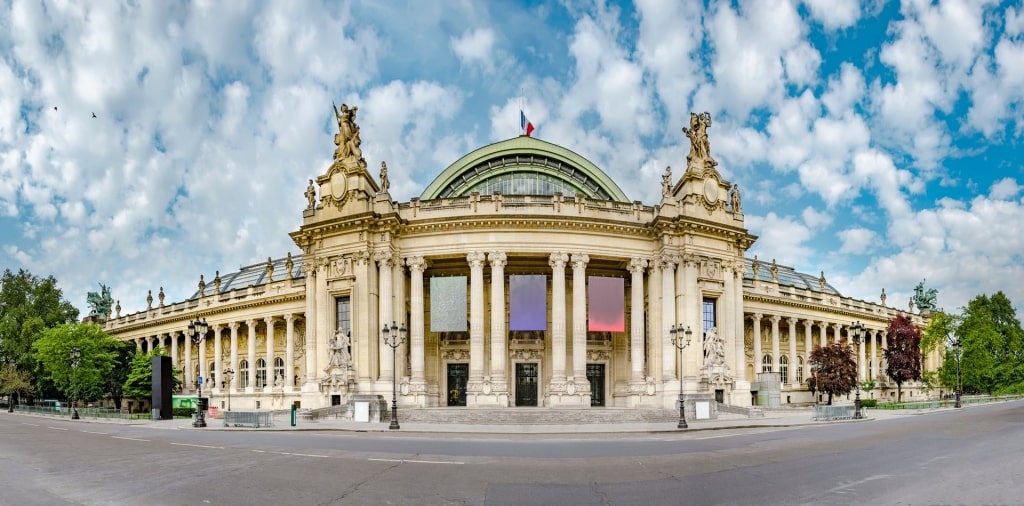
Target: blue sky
[876,141]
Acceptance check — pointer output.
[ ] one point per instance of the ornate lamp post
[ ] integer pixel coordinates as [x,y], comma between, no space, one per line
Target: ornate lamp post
[857,333]
[681,339]
[197,333]
[76,357]
[230,375]
[394,337]
[958,350]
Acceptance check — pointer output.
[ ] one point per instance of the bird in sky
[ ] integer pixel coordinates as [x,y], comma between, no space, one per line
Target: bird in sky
[94,115]
[54,108]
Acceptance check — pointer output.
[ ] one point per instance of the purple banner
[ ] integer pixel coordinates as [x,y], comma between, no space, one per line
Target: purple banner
[607,298]
[528,302]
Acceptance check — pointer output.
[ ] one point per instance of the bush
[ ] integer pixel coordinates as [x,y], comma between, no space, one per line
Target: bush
[184,412]
[869,403]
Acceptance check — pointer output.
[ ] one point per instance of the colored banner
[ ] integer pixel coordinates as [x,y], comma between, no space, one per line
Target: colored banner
[528,302]
[448,309]
[607,298]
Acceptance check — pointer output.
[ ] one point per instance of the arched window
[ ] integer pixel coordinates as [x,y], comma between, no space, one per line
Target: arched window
[783,369]
[243,374]
[261,373]
[766,363]
[800,370]
[278,369]
[211,370]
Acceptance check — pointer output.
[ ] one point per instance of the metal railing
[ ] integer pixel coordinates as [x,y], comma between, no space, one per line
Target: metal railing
[107,413]
[255,419]
[823,412]
[315,415]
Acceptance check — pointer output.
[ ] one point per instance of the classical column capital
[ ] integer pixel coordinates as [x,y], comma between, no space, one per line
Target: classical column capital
[808,324]
[233,325]
[476,259]
[498,259]
[288,317]
[384,258]
[416,264]
[216,327]
[667,261]
[775,318]
[361,257]
[637,265]
[557,260]
[579,260]
[269,320]
[792,320]
[756,317]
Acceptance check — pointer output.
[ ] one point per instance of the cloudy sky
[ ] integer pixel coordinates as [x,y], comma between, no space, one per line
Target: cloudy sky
[879,142]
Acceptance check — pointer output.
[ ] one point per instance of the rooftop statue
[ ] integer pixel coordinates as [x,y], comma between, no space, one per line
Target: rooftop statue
[700,149]
[100,302]
[925,300]
[347,139]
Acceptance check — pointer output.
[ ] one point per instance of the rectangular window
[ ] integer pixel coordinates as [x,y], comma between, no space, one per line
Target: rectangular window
[344,313]
[708,322]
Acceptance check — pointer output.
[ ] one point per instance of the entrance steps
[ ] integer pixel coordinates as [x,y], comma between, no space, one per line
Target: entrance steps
[536,416]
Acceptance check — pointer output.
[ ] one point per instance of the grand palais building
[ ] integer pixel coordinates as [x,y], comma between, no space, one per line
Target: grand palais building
[522,276]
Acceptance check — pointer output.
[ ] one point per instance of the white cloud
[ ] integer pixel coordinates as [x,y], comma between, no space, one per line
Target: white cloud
[857,241]
[834,14]
[1005,189]
[475,47]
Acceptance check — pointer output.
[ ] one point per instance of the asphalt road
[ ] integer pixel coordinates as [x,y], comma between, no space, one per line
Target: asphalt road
[969,456]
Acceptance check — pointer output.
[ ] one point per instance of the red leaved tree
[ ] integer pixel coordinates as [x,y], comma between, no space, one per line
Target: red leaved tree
[833,370]
[903,356]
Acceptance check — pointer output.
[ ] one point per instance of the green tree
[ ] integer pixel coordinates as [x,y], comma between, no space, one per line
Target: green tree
[28,306]
[124,355]
[903,356]
[85,381]
[993,346]
[139,383]
[14,382]
[834,370]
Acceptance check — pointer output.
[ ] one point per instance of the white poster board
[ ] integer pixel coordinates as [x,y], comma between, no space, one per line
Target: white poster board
[362,413]
[703,410]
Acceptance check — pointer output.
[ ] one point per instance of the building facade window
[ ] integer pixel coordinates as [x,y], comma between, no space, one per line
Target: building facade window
[766,363]
[243,374]
[278,369]
[261,373]
[343,316]
[783,369]
[800,370]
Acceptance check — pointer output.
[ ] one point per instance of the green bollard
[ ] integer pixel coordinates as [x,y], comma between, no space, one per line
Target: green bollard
[293,414]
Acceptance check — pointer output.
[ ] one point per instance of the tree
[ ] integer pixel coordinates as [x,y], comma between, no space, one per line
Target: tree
[834,369]
[124,355]
[85,380]
[139,384]
[14,383]
[993,346]
[903,356]
[28,306]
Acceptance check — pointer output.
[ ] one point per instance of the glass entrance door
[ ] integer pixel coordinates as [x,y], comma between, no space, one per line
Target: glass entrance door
[526,384]
[595,373]
[458,374]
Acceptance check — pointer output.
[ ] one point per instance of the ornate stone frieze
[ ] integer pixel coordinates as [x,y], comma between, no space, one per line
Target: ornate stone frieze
[598,355]
[455,355]
[527,355]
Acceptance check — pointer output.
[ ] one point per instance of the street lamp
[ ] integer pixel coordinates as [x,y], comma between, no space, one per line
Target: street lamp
[197,332]
[230,374]
[76,357]
[394,337]
[678,336]
[958,351]
[857,333]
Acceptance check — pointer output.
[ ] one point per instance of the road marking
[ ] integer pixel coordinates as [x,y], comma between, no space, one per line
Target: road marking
[32,424]
[418,461]
[130,439]
[259,451]
[91,432]
[56,428]
[301,455]
[199,446]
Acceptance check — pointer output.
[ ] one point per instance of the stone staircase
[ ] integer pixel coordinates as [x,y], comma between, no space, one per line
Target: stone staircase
[536,416]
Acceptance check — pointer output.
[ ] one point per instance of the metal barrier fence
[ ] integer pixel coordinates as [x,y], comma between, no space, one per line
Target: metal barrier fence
[315,415]
[824,412]
[109,413]
[254,419]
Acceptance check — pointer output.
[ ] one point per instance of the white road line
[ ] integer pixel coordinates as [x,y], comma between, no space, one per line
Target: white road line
[91,432]
[301,455]
[199,446]
[418,461]
[32,424]
[130,439]
[56,428]
[259,451]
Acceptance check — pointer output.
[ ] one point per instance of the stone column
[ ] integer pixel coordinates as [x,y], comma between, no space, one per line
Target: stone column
[738,331]
[387,313]
[793,362]
[725,327]
[309,271]
[557,262]
[668,316]
[234,354]
[756,318]
[873,370]
[636,320]
[363,336]
[861,375]
[190,381]
[398,306]
[251,386]
[808,347]
[201,356]
[824,333]
[499,345]
[775,344]
[270,353]
[579,321]
[289,352]
[174,351]
[476,317]
[882,363]
[838,331]
[416,266]
[690,314]
[218,356]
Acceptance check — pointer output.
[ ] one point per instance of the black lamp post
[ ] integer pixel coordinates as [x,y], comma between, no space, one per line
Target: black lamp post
[394,337]
[681,339]
[958,350]
[10,396]
[230,374]
[197,332]
[76,357]
[857,333]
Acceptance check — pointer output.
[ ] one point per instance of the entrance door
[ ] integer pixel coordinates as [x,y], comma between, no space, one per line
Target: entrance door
[458,374]
[595,373]
[526,384]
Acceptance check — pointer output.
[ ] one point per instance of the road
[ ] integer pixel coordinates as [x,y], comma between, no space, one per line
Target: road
[968,456]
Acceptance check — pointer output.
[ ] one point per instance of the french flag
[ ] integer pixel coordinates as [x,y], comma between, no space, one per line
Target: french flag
[525,124]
